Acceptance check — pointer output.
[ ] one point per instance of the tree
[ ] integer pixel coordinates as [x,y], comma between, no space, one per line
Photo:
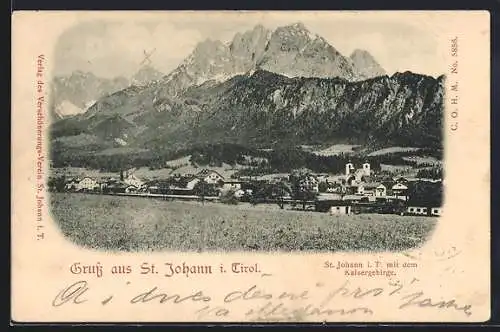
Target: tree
[229,197]
[57,184]
[426,193]
[203,189]
[323,187]
[302,190]
[279,191]
[305,194]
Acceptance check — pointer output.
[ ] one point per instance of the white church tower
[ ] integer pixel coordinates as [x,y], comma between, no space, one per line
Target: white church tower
[366,169]
[348,168]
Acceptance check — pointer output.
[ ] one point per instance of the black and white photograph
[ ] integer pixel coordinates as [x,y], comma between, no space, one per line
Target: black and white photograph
[247,133]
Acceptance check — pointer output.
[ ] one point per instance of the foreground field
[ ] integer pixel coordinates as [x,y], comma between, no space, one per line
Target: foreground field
[136,224]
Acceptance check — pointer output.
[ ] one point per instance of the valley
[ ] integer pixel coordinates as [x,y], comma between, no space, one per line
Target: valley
[273,130]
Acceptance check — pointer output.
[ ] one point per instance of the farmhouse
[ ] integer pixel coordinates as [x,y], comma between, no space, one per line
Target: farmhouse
[209,176]
[87,184]
[399,189]
[310,182]
[372,189]
[339,207]
[232,185]
[131,179]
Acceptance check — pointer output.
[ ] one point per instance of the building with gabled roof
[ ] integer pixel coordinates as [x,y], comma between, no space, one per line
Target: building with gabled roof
[209,176]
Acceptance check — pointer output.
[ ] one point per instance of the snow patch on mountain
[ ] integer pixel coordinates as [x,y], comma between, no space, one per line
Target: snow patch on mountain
[66,109]
[120,141]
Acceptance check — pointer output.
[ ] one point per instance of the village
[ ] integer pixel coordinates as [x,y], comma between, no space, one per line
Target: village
[358,190]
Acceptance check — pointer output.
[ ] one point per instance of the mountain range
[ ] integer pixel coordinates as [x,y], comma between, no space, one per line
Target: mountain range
[74,94]
[262,88]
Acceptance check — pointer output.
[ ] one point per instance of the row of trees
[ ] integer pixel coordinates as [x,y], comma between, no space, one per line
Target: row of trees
[431,173]
[280,159]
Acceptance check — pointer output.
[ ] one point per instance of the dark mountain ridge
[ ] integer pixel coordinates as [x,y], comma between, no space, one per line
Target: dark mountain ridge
[263,89]
[266,108]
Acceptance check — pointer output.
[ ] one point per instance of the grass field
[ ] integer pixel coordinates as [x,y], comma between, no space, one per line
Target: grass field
[137,224]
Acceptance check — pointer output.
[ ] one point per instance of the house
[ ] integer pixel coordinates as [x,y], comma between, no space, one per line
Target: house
[156,187]
[209,176]
[339,207]
[417,210]
[334,188]
[329,197]
[87,184]
[400,190]
[191,182]
[401,180]
[310,183]
[355,198]
[131,189]
[343,209]
[232,185]
[436,211]
[371,189]
[421,210]
[381,190]
[153,189]
[116,187]
[71,184]
[103,184]
[132,180]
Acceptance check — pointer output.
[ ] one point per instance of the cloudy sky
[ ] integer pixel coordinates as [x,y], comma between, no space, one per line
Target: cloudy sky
[115,46]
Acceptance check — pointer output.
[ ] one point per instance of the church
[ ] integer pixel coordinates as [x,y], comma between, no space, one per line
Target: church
[357,175]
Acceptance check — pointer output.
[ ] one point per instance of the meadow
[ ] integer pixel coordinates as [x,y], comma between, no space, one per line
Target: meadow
[119,223]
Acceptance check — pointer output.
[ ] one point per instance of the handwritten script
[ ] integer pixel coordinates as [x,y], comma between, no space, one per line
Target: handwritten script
[318,302]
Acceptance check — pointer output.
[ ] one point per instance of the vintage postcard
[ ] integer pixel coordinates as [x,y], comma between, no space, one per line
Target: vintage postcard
[250,166]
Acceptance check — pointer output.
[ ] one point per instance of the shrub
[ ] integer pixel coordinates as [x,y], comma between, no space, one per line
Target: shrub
[228,197]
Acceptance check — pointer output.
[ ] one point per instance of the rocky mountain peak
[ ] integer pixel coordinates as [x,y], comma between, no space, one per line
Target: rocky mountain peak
[145,75]
[290,50]
[297,27]
[71,94]
[365,65]
[208,46]
[290,38]
[294,51]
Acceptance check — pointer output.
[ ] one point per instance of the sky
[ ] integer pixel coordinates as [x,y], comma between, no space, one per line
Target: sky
[115,46]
